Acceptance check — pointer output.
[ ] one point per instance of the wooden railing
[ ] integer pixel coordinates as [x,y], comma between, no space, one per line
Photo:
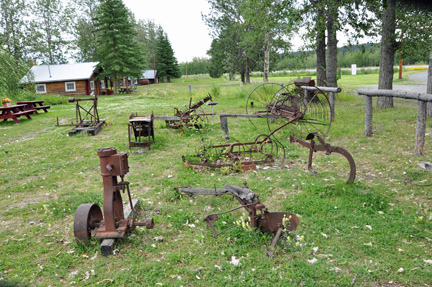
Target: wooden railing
[422,99]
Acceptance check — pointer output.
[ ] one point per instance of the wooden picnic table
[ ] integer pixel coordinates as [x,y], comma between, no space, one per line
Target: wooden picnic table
[124,91]
[34,105]
[14,112]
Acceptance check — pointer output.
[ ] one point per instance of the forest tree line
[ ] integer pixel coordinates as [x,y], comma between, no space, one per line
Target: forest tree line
[248,35]
[365,55]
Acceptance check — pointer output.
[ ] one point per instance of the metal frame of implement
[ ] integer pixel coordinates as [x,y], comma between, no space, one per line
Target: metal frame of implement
[89,220]
[86,118]
[259,216]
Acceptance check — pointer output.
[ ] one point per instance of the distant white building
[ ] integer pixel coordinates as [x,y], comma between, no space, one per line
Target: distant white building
[149,75]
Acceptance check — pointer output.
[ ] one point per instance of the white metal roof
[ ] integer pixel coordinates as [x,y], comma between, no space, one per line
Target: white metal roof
[149,74]
[65,72]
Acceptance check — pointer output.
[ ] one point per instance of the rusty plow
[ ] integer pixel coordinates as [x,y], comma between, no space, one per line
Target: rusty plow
[259,216]
[328,149]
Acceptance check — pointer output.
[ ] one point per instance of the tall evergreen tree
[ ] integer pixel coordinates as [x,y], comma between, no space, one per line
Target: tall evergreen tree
[166,63]
[118,52]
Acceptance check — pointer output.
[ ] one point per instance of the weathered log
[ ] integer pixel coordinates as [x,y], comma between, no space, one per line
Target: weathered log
[421,128]
[324,89]
[422,99]
[397,94]
[368,116]
[331,91]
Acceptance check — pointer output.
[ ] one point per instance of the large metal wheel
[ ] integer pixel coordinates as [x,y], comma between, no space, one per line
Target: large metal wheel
[259,99]
[87,218]
[267,147]
[309,112]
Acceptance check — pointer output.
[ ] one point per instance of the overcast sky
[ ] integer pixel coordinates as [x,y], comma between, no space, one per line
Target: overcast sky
[181,20]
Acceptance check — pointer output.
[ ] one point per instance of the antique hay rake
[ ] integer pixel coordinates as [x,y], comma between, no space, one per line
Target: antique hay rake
[292,113]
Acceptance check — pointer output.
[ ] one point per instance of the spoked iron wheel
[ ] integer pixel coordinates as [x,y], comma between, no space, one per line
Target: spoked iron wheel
[308,112]
[259,99]
[267,147]
[87,217]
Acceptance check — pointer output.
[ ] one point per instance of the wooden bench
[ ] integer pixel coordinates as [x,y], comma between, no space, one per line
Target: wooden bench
[124,91]
[45,108]
[35,105]
[24,113]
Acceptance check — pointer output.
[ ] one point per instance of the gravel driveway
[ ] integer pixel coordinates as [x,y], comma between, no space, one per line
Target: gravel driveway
[418,85]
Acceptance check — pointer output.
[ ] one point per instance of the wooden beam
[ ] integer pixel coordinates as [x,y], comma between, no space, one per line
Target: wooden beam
[107,245]
[397,94]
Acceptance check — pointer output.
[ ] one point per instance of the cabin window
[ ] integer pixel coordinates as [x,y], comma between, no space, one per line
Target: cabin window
[102,84]
[41,88]
[70,87]
[92,85]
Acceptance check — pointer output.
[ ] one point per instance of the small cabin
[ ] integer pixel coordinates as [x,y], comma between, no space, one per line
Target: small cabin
[150,76]
[69,79]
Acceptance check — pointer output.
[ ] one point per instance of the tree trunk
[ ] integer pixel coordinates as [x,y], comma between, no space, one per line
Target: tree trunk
[429,85]
[420,128]
[321,51]
[331,72]
[247,71]
[388,45]
[242,77]
[231,76]
[266,57]
[115,83]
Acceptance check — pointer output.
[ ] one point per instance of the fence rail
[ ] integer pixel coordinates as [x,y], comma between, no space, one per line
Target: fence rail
[422,100]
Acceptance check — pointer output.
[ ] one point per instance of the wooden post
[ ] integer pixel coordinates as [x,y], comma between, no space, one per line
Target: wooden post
[421,127]
[224,126]
[332,106]
[368,116]
[107,245]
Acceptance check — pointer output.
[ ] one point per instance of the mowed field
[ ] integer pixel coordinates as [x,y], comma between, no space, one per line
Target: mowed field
[374,232]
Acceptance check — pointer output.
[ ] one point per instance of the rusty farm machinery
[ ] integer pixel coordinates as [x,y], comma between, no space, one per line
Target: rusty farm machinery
[86,116]
[297,112]
[112,224]
[259,216]
[141,128]
[192,115]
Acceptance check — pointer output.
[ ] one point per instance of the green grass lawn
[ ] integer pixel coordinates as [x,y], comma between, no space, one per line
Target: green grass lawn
[377,230]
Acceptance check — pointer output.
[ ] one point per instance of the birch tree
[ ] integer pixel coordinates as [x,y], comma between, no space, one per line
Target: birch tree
[51,31]
[13,27]
[85,41]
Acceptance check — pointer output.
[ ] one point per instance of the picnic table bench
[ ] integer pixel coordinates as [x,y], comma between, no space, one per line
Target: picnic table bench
[34,105]
[124,91]
[14,112]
